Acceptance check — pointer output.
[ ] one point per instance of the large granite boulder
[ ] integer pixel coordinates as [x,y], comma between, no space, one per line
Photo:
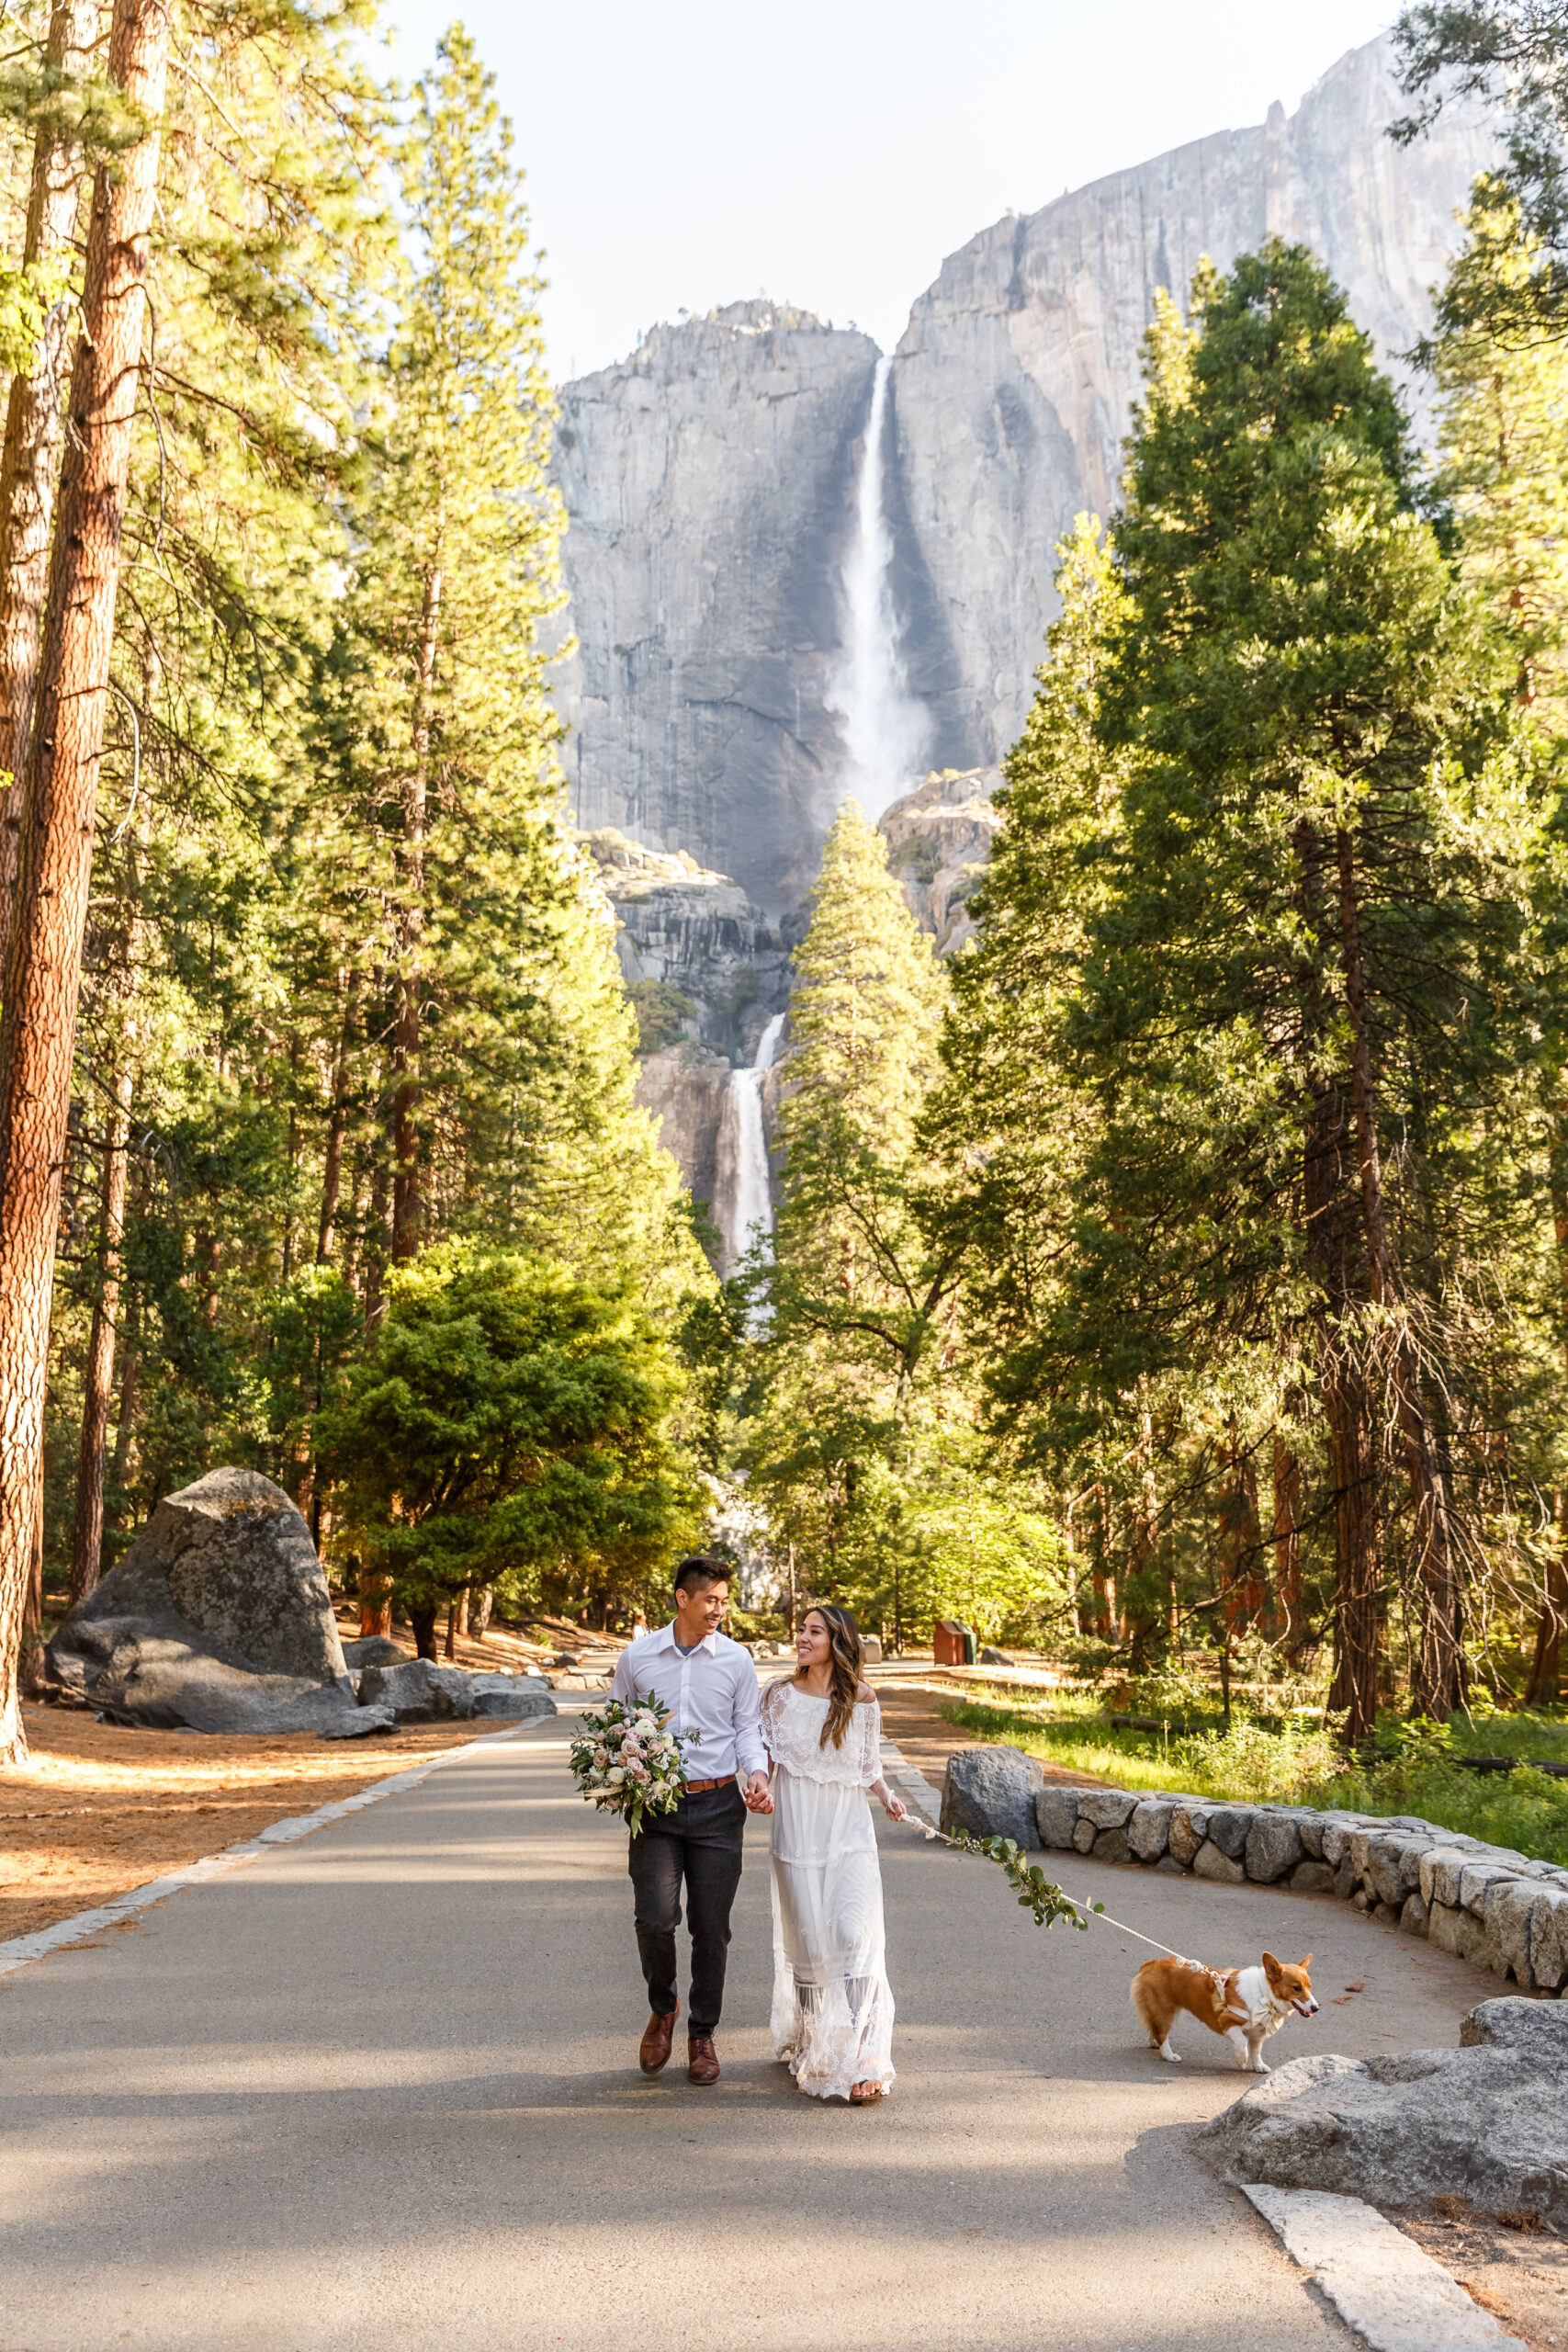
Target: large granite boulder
[418,1691]
[370,1649]
[218,1619]
[990,1793]
[1488,2121]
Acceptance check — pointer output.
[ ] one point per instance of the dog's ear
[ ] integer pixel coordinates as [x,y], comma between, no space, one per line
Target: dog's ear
[1270,1964]
[1306,1963]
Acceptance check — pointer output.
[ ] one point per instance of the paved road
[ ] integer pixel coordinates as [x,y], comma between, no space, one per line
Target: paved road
[377,2093]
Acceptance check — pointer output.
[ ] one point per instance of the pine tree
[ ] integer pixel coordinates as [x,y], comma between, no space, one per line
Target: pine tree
[1315,908]
[859,1300]
[1283,987]
[1503,430]
[457,573]
[1009,1123]
[43,962]
[1512,54]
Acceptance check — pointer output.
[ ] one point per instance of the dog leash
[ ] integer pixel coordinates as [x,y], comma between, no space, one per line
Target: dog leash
[1083,1909]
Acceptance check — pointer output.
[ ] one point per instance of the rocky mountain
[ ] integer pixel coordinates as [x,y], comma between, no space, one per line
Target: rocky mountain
[939,842]
[710,479]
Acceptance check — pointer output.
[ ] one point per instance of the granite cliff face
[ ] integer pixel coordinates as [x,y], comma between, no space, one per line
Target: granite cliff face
[708,481]
[710,478]
[1013,384]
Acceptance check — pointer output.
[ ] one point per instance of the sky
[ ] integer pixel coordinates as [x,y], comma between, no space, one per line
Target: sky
[831,152]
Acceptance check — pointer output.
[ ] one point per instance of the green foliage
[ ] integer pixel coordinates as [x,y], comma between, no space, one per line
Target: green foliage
[1296,1763]
[1252,1761]
[341,419]
[1272,724]
[1514,52]
[662,1012]
[1502,424]
[510,1424]
[982,1546]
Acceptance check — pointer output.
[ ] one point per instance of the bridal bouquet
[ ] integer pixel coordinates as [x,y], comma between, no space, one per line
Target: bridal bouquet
[627,1761]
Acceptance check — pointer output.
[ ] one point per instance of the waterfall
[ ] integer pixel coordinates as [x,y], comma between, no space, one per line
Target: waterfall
[745,1201]
[884,729]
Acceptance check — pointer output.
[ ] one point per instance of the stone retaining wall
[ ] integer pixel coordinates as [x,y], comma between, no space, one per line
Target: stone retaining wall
[1486,1904]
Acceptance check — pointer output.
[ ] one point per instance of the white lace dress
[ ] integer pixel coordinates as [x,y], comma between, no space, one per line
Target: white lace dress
[833,2004]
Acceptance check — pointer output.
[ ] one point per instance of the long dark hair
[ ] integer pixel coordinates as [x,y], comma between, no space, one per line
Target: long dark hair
[844,1656]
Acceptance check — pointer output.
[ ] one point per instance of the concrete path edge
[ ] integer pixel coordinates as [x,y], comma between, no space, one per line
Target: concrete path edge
[1380,2282]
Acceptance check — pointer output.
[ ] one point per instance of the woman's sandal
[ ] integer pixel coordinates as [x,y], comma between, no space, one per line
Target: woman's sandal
[864,2094]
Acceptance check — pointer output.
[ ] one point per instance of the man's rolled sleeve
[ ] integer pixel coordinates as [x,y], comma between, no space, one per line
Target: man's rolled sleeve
[750,1752]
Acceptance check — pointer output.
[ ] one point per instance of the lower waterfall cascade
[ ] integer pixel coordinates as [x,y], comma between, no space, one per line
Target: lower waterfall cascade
[745,1204]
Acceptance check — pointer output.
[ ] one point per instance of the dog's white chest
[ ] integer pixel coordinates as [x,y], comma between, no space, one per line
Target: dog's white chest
[1264,2014]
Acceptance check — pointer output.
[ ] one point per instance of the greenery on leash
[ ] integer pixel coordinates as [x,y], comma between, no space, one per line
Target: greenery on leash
[1035,1891]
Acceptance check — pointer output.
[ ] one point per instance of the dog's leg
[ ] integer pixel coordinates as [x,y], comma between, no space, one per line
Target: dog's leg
[1256,2062]
[1166,2051]
[1237,2041]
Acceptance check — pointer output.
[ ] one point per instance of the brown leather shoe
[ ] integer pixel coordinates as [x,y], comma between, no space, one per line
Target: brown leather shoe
[702,2062]
[656,2040]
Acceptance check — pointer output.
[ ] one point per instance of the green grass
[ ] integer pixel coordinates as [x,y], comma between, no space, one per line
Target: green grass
[1295,1762]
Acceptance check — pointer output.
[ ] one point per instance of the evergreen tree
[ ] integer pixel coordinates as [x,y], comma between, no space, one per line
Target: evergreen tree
[860,1303]
[1300,986]
[1513,52]
[458,571]
[1502,428]
[511,1428]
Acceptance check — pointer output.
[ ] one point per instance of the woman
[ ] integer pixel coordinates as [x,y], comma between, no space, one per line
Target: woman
[833,2006]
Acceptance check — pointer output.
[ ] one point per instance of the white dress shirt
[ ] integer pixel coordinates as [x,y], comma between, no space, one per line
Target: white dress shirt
[712,1696]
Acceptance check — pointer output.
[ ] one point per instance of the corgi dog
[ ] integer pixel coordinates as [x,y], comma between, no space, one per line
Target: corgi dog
[1246,2005]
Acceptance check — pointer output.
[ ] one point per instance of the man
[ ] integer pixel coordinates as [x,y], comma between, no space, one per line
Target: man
[710,1685]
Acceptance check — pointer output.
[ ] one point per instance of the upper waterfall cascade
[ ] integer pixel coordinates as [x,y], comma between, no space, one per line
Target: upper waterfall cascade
[745,1204]
[885,730]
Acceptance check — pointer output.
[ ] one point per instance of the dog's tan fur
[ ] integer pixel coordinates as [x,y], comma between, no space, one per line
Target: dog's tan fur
[1243,2005]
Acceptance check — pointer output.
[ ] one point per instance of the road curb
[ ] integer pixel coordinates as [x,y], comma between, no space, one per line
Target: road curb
[1380,2282]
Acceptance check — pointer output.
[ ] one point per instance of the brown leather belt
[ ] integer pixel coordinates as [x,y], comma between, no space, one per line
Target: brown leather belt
[696,1788]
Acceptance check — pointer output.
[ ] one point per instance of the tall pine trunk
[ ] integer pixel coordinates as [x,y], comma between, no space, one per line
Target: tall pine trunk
[1328,1218]
[1438,1683]
[1357,1612]
[337,1124]
[408,1200]
[1288,1544]
[34,425]
[44,959]
[1545,1678]
[87,1537]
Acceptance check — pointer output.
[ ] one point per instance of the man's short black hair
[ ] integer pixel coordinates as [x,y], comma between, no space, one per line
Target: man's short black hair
[699,1568]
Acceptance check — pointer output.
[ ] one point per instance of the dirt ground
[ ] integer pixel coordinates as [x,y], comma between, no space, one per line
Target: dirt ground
[1519,2275]
[100,1810]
